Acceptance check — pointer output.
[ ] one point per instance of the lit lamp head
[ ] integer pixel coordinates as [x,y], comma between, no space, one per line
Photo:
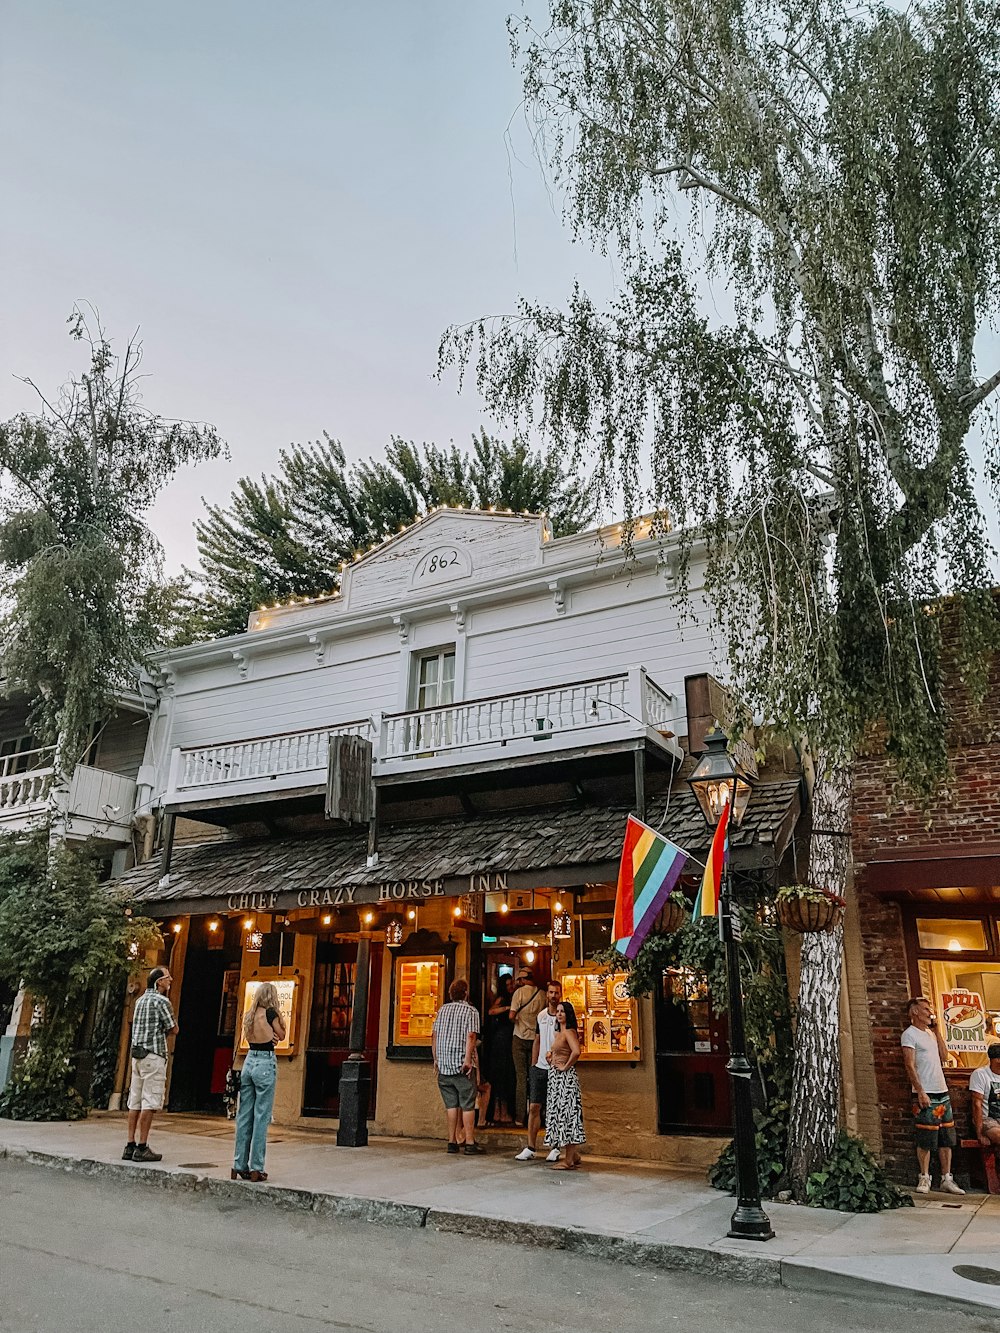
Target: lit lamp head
[394,933]
[716,781]
[255,941]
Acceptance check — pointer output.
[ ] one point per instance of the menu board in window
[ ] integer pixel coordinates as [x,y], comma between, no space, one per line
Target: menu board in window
[607,1016]
[287,1003]
[419,995]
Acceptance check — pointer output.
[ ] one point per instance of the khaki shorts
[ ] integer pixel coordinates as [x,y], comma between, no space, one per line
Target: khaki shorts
[149,1080]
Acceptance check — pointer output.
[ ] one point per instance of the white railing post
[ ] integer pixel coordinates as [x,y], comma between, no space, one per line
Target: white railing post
[635,697]
[378,730]
[175,775]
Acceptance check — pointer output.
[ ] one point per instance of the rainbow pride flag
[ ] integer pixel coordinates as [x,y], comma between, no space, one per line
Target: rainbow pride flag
[707,902]
[650,867]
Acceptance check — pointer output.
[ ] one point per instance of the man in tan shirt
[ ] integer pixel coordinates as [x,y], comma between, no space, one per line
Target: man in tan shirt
[526,1004]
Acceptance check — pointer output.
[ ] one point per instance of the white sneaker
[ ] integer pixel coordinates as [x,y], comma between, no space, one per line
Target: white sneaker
[948,1185]
[525,1155]
[924,1185]
[553,1155]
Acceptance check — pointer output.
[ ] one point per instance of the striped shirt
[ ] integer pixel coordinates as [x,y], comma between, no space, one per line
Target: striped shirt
[152,1020]
[455,1020]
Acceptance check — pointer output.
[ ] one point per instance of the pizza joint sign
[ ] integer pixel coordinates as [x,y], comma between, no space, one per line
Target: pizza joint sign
[964,1017]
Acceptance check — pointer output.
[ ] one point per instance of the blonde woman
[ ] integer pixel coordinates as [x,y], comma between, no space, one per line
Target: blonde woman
[262,1027]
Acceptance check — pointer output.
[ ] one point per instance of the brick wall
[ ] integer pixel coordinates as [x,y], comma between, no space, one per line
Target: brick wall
[966,811]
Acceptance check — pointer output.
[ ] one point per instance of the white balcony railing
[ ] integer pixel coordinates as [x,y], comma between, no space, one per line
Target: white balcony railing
[530,715]
[264,757]
[22,792]
[94,803]
[626,704]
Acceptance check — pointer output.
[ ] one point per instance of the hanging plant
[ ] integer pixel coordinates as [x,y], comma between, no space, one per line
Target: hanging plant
[676,913]
[809,910]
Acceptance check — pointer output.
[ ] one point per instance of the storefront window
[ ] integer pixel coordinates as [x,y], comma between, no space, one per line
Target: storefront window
[964,990]
[954,935]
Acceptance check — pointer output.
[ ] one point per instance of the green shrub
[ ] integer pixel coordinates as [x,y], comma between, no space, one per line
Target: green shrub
[772,1144]
[853,1181]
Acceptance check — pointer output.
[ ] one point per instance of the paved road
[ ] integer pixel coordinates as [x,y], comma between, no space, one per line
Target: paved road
[93,1256]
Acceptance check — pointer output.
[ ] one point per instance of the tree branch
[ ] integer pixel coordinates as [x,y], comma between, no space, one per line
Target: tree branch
[970,401]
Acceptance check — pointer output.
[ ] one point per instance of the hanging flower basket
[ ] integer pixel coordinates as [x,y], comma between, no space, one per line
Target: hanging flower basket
[673,916]
[809,911]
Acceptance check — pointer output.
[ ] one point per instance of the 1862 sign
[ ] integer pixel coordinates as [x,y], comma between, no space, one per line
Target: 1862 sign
[439,565]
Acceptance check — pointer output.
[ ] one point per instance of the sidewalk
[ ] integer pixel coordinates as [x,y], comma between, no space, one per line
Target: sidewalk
[623,1211]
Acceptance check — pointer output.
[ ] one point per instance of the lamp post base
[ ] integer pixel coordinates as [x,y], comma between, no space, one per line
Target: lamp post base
[355,1087]
[750,1222]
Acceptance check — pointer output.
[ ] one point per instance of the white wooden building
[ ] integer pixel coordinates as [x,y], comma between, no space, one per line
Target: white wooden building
[521,694]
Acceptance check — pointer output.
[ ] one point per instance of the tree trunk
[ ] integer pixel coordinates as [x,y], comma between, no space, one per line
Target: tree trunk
[815,1113]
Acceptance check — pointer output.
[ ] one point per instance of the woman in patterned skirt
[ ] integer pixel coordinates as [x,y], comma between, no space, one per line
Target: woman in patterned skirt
[564,1105]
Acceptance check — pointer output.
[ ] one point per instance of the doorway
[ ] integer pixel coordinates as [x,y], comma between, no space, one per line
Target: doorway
[692,1049]
[206,1017]
[330,1024]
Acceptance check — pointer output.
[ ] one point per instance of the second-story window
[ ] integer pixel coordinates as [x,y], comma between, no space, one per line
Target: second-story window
[436,679]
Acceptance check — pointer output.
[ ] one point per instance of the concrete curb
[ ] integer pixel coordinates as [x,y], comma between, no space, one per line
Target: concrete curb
[795,1274]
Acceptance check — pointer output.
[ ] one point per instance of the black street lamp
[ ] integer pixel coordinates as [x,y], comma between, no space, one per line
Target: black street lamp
[717,782]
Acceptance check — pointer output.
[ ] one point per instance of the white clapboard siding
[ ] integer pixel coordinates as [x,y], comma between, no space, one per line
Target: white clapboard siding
[577,644]
[295,701]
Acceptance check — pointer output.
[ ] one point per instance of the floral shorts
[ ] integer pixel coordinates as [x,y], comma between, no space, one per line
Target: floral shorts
[934,1125]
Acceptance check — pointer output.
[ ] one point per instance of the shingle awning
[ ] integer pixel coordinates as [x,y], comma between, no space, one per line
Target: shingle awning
[538,848]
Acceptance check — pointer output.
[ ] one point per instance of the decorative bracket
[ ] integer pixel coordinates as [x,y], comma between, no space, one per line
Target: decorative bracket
[242,662]
[558,597]
[318,647]
[458,611]
[166,680]
[402,624]
[670,569]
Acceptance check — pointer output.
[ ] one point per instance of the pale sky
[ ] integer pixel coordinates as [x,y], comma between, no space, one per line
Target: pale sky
[291,200]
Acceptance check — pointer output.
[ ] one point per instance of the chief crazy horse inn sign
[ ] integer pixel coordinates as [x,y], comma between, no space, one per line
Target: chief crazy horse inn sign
[400,890]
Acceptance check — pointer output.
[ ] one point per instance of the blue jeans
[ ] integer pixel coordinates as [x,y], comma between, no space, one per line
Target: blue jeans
[258,1078]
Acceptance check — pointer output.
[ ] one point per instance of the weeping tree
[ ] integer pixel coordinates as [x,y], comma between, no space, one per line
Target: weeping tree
[287,535]
[837,171]
[82,607]
[77,557]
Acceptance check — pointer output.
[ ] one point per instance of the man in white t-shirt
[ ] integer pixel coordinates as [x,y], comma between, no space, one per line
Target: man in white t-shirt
[984,1084]
[538,1074]
[933,1118]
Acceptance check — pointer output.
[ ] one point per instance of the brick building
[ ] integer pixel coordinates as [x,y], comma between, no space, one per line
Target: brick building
[923,918]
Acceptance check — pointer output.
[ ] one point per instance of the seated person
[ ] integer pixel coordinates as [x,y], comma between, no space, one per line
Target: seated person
[984,1085]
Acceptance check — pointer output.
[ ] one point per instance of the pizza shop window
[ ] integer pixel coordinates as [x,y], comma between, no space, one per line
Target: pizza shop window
[958,966]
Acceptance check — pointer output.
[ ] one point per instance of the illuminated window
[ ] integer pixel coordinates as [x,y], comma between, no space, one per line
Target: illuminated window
[952,936]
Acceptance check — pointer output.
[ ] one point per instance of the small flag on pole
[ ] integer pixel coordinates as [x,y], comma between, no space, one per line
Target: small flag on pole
[650,868]
[707,902]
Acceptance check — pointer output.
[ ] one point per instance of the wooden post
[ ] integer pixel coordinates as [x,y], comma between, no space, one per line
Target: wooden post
[640,782]
[167,850]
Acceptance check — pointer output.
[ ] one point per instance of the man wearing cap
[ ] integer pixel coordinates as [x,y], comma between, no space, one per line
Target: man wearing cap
[526,1004]
[984,1084]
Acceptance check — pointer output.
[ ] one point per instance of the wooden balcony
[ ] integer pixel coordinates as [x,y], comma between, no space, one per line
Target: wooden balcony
[25,784]
[94,803]
[521,728]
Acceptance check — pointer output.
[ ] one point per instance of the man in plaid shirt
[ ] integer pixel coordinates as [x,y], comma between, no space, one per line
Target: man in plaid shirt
[152,1023]
[453,1043]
